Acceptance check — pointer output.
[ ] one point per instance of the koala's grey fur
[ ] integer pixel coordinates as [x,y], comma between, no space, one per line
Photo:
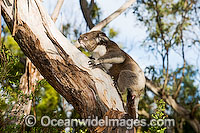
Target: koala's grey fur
[125,71]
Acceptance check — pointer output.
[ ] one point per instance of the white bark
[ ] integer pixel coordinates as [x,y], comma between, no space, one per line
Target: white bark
[56,11]
[28,13]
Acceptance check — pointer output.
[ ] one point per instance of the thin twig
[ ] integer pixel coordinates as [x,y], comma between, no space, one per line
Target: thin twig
[164,46]
[183,70]
[167,72]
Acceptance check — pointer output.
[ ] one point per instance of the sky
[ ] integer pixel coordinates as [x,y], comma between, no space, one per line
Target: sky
[131,32]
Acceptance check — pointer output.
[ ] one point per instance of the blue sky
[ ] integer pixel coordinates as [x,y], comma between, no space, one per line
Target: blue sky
[131,32]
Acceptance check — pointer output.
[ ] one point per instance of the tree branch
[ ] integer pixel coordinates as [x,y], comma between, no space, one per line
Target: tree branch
[172,102]
[195,109]
[183,70]
[86,12]
[56,11]
[115,14]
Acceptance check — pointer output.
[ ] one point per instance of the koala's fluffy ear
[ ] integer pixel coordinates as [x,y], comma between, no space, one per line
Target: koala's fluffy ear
[101,37]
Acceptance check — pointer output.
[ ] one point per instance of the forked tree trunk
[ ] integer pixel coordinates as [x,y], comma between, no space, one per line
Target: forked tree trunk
[90,91]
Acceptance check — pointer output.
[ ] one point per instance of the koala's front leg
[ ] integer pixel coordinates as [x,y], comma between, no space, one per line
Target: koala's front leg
[94,63]
[114,57]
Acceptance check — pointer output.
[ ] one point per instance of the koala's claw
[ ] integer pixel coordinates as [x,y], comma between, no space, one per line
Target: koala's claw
[115,84]
[92,58]
[91,62]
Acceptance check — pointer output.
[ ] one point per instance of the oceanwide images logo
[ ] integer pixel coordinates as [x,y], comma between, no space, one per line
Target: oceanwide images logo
[46,121]
[30,120]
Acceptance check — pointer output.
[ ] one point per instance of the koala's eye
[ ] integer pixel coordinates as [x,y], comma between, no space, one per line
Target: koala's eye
[85,38]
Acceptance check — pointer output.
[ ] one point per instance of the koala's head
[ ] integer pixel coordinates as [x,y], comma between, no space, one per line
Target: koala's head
[92,39]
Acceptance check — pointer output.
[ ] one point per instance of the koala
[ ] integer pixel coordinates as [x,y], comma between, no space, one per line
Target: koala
[126,73]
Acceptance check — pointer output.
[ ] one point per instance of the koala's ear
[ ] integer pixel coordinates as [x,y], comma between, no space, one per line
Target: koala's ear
[101,37]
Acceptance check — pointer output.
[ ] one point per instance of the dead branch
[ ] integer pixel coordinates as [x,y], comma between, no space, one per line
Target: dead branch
[28,83]
[15,18]
[56,11]
[115,14]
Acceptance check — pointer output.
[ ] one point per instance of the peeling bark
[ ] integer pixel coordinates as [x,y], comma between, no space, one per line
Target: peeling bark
[90,91]
[28,83]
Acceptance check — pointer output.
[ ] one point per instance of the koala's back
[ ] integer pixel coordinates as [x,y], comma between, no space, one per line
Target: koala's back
[128,64]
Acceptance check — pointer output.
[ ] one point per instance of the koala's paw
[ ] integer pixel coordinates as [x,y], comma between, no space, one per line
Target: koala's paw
[94,64]
[91,62]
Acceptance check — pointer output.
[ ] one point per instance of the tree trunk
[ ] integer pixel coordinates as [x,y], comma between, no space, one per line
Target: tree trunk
[90,91]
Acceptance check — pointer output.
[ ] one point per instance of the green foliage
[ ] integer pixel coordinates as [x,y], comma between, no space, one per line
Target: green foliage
[79,131]
[10,54]
[159,114]
[172,28]
[112,33]
[11,70]
[47,99]
[9,67]
[165,21]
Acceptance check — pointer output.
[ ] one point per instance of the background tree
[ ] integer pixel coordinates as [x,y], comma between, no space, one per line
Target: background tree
[171,29]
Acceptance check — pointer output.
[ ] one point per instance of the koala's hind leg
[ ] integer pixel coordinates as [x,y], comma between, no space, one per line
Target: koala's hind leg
[127,79]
